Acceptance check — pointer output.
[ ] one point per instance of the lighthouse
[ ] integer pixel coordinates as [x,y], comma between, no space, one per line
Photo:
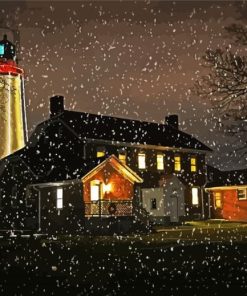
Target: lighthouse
[13,129]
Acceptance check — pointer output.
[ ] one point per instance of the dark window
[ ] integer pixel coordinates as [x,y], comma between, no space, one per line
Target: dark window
[1,197]
[14,196]
[13,169]
[153,204]
[60,132]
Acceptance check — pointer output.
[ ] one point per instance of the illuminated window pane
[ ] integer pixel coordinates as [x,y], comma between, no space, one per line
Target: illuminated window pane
[59,198]
[160,161]
[141,161]
[1,49]
[242,194]
[177,163]
[122,157]
[193,164]
[100,152]
[195,196]
[217,200]
[95,190]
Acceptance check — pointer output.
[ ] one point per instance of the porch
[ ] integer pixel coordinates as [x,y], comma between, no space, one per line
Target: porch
[109,208]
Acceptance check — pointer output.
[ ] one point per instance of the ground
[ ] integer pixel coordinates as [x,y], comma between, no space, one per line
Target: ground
[199,258]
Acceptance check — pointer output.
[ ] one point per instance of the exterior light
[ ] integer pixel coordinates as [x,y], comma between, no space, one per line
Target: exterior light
[107,188]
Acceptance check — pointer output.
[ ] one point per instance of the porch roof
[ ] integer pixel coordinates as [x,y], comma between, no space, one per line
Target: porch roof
[123,169]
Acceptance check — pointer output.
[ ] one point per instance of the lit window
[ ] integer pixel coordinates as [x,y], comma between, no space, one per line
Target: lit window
[141,161]
[160,161]
[242,194]
[217,200]
[59,198]
[2,49]
[100,152]
[95,189]
[122,157]
[153,204]
[195,196]
[177,163]
[193,164]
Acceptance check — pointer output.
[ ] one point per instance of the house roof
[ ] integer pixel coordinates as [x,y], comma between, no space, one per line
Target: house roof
[123,169]
[107,128]
[217,178]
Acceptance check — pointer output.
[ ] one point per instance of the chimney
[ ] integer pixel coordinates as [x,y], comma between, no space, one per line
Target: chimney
[172,120]
[56,105]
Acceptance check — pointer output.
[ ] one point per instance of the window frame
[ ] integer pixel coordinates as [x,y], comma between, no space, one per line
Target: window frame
[14,201]
[177,162]
[122,153]
[217,199]
[193,166]
[157,162]
[59,198]
[142,154]
[244,193]
[100,150]
[193,197]
[98,184]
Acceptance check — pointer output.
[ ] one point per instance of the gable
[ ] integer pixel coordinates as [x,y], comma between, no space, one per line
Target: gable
[114,163]
[173,180]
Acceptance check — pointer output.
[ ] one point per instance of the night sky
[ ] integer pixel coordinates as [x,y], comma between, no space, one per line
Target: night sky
[130,59]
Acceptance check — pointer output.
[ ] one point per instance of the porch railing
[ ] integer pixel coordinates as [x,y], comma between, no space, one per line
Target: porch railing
[108,208]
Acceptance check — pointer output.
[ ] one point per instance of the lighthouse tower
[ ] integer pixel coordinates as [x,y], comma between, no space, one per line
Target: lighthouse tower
[12,101]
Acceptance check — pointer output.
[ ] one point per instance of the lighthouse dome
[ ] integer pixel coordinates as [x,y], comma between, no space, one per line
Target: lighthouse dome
[7,49]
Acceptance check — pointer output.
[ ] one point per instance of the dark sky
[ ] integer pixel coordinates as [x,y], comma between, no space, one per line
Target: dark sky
[130,59]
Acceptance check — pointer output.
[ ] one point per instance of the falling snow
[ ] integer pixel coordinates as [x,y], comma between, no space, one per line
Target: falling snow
[135,60]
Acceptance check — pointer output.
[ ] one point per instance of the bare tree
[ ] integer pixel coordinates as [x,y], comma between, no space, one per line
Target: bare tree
[238,32]
[226,85]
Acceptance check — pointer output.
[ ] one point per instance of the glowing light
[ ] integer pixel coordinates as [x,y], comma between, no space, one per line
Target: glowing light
[107,188]
[1,49]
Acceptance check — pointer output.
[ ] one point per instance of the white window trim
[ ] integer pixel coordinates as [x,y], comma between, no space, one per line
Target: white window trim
[142,161]
[161,156]
[59,198]
[195,196]
[245,193]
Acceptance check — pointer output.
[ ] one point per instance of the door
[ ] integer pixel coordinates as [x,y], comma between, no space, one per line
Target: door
[174,199]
